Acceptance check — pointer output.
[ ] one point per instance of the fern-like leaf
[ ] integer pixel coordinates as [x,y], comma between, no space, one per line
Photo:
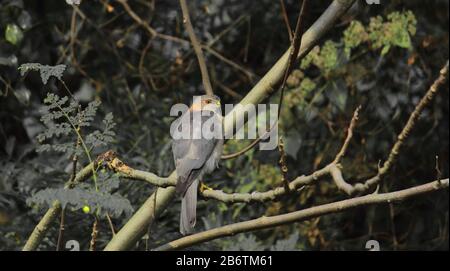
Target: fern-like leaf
[45,71]
[77,198]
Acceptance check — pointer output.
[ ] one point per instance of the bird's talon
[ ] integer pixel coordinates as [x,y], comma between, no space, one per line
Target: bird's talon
[204,187]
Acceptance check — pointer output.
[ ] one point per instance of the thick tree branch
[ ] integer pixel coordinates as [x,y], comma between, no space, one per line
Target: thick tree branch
[135,227]
[332,169]
[278,220]
[42,227]
[132,231]
[267,85]
[114,163]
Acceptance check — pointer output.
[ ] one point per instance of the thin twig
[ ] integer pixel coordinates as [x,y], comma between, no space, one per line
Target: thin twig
[283,166]
[43,226]
[438,170]
[141,64]
[429,96]
[153,33]
[214,40]
[197,48]
[132,230]
[111,224]
[61,230]
[286,19]
[250,75]
[241,152]
[228,90]
[349,136]
[392,216]
[407,129]
[294,50]
[72,178]
[94,235]
[300,28]
[72,41]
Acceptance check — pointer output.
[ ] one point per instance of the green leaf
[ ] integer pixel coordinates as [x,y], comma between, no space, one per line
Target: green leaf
[385,50]
[402,39]
[13,34]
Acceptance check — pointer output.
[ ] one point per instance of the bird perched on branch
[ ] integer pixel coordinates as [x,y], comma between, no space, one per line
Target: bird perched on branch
[197,150]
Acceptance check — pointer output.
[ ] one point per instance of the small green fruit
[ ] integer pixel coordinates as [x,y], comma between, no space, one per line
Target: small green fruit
[86,209]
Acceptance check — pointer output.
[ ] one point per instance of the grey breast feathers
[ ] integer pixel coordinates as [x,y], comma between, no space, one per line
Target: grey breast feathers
[191,155]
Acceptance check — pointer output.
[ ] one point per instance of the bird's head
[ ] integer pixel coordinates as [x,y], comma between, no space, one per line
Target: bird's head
[206,102]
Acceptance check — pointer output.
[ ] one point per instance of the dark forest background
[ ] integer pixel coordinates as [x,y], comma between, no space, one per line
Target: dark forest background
[111,59]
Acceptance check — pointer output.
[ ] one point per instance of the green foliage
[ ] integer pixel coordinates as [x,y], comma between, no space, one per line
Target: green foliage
[13,34]
[102,138]
[78,198]
[66,128]
[396,31]
[101,202]
[138,78]
[301,86]
[354,35]
[325,58]
[45,71]
[328,57]
[64,118]
[68,121]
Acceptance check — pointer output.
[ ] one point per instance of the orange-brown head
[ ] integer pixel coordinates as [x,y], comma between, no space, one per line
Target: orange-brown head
[205,102]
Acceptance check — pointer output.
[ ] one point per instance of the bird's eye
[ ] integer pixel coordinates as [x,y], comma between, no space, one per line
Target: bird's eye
[208,101]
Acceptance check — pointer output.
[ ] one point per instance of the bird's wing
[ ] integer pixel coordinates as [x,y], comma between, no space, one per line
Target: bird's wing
[190,156]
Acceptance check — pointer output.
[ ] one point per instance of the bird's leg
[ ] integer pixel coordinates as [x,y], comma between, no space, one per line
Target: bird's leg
[204,187]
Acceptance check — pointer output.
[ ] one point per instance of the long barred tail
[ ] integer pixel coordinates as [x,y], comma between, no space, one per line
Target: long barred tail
[189,209]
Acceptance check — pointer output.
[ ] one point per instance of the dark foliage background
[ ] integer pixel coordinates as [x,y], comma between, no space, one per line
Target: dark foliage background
[111,59]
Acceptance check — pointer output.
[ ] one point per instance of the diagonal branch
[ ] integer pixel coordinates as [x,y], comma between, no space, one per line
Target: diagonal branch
[135,227]
[334,169]
[154,205]
[395,151]
[413,118]
[42,227]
